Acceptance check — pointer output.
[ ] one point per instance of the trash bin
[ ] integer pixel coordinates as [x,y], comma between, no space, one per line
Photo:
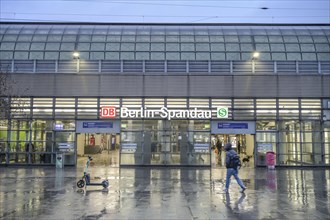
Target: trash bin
[270,159]
[59,160]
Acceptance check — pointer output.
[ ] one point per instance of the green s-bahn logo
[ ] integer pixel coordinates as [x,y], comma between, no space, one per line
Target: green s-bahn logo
[222,112]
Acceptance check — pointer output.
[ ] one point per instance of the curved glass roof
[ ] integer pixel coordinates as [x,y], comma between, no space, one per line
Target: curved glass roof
[164,42]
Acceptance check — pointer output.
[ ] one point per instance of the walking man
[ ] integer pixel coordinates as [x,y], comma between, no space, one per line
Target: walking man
[232,165]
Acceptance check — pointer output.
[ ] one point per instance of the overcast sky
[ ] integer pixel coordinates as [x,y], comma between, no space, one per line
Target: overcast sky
[168,11]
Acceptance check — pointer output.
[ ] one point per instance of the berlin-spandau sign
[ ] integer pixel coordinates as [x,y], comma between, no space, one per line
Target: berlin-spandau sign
[163,112]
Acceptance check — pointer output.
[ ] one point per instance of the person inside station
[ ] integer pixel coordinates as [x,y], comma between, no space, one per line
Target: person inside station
[92,140]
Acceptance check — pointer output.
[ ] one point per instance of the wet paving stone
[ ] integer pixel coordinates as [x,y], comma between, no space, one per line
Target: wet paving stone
[164,193]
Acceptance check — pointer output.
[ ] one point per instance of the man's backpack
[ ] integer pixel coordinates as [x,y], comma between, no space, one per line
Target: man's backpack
[235,162]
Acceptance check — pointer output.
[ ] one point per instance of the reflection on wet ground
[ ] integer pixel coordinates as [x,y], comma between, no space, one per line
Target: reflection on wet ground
[164,193]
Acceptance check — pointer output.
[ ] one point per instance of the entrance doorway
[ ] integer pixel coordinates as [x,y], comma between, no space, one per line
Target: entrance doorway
[104,148]
[243,144]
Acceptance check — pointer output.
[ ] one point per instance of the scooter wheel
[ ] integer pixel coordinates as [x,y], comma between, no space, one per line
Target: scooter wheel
[105,184]
[81,183]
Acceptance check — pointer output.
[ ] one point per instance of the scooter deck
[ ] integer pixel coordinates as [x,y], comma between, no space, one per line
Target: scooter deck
[94,184]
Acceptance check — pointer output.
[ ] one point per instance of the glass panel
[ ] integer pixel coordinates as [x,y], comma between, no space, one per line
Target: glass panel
[54,38]
[244,103]
[231,38]
[111,56]
[6,55]
[112,47]
[97,56]
[36,56]
[65,107]
[37,46]
[173,56]
[289,154]
[292,47]
[97,46]
[278,56]
[157,56]
[127,38]
[216,39]
[176,103]
[260,39]
[202,39]
[290,39]
[21,55]
[67,46]
[218,56]
[157,38]
[142,47]
[277,47]
[83,38]
[202,47]
[245,39]
[23,37]
[18,158]
[262,47]
[172,39]
[294,56]
[307,47]
[127,47]
[157,47]
[233,56]
[266,126]
[131,147]
[7,46]
[131,125]
[217,47]
[69,38]
[202,56]
[305,39]
[187,47]
[288,103]
[53,46]
[142,56]
[322,47]
[8,37]
[142,38]
[98,38]
[263,147]
[309,56]
[64,137]
[187,38]
[188,56]
[247,47]
[232,47]
[275,39]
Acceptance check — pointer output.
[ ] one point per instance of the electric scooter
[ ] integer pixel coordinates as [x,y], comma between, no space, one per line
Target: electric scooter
[86,179]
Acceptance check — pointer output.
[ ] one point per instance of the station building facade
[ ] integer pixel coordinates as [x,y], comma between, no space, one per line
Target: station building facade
[165,94]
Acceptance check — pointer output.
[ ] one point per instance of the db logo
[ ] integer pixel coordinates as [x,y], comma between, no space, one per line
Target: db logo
[108,112]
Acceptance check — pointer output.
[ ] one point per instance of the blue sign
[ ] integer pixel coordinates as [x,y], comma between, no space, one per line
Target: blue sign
[100,124]
[233,125]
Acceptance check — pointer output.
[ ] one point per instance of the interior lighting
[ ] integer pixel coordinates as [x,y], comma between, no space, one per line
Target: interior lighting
[75,55]
[255,55]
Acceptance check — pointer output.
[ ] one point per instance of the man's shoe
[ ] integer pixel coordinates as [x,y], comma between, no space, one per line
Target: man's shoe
[242,190]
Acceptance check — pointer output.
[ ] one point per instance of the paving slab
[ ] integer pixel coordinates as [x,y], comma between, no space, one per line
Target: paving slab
[164,193]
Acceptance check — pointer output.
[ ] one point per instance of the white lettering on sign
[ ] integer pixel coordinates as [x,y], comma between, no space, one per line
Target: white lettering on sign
[165,113]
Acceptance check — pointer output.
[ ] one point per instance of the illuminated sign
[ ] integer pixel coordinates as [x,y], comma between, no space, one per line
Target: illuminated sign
[222,112]
[108,112]
[163,112]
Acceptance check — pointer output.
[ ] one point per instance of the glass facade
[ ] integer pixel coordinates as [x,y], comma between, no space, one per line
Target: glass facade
[297,129]
[161,42]
[293,128]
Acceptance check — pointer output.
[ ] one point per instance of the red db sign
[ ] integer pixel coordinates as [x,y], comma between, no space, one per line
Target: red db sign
[108,112]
